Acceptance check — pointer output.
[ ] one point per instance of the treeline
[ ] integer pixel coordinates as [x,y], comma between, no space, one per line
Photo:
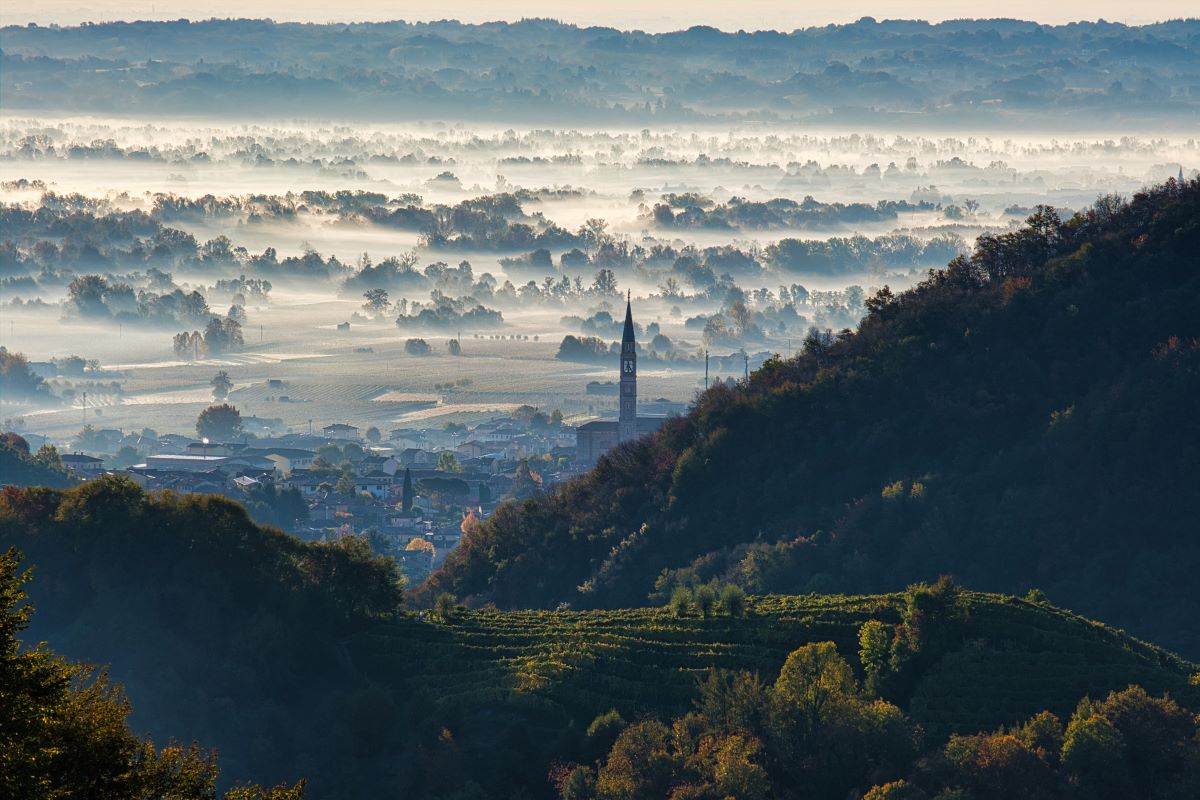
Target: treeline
[1019,418]
[218,625]
[81,245]
[220,336]
[816,732]
[974,69]
[697,211]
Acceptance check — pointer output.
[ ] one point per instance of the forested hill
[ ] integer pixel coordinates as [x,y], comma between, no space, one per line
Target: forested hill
[296,661]
[1025,417]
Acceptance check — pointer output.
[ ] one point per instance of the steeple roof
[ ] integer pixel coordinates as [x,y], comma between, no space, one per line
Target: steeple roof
[627,336]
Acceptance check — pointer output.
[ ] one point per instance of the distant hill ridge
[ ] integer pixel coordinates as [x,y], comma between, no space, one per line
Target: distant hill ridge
[1023,418]
[999,72]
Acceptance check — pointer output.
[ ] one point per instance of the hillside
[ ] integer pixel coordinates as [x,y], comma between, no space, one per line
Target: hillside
[295,660]
[1022,418]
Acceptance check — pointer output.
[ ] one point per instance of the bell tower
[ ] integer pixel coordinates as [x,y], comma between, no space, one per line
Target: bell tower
[627,422]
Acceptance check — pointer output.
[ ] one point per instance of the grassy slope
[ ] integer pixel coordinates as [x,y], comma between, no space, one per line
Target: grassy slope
[1021,657]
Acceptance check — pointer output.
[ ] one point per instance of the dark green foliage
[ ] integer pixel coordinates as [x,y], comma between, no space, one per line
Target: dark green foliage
[19,467]
[733,600]
[817,734]
[64,730]
[582,348]
[17,381]
[219,423]
[681,601]
[268,504]
[1022,417]
[705,599]
[293,660]
[417,347]
[1129,745]
[215,626]
[603,732]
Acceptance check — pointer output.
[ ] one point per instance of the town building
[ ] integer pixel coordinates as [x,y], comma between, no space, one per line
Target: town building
[340,430]
[83,466]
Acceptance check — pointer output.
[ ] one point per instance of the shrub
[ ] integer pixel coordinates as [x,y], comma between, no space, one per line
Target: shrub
[417,347]
[681,601]
[445,606]
[733,600]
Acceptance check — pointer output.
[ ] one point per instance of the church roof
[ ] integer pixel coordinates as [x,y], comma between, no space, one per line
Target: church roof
[597,425]
[627,336]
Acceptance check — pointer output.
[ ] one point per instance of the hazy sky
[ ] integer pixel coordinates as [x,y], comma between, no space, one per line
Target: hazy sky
[651,15]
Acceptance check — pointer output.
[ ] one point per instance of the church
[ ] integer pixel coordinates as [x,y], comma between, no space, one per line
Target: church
[593,439]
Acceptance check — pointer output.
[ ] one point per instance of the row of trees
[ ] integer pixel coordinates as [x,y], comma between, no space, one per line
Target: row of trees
[220,336]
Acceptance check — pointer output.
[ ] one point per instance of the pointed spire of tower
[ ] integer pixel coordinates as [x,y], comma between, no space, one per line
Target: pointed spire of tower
[627,336]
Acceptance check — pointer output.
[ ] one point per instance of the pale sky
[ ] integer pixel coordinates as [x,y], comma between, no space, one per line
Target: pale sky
[649,15]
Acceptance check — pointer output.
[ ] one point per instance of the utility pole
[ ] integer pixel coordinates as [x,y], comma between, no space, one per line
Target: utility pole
[746,359]
[706,370]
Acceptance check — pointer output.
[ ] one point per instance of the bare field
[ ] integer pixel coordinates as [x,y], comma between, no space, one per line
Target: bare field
[362,376]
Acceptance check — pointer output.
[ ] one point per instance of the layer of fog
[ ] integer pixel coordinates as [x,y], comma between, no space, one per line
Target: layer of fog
[615,176]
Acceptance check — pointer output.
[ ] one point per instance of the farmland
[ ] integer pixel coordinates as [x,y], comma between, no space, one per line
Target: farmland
[361,376]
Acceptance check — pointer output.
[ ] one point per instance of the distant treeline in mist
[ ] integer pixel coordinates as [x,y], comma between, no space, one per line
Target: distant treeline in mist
[1002,72]
[83,233]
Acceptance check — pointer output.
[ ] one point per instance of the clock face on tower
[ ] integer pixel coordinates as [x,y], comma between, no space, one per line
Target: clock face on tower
[628,367]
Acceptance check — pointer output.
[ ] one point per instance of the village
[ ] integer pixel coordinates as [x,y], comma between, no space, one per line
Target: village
[412,493]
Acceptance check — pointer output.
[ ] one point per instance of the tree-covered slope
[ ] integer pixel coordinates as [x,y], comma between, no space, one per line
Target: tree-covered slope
[219,630]
[1023,418]
[64,729]
[295,661]
[19,467]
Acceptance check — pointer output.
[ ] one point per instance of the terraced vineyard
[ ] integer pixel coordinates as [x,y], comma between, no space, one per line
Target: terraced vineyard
[552,668]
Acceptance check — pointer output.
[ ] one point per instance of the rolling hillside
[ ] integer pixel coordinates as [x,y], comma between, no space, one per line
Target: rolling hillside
[1024,657]
[1023,418]
[297,661]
